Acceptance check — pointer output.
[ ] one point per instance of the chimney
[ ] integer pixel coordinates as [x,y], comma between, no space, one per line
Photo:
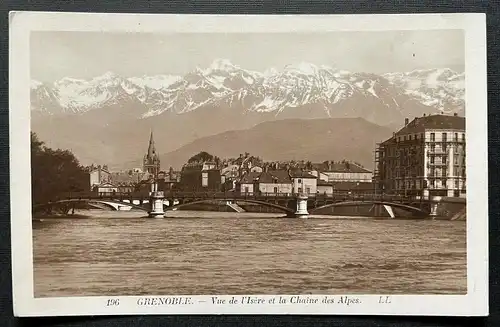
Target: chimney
[406,121]
[455,114]
[424,115]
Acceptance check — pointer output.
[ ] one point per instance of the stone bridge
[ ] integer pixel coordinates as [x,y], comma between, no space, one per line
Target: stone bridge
[288,203]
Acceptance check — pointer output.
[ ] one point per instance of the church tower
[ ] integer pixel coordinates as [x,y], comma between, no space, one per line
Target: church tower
[151,158]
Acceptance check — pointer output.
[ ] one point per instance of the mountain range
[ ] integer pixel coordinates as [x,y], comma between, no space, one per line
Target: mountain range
[315,140]
[106,119]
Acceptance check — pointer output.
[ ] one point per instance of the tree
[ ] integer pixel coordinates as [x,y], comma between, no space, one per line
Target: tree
[54,172]
[201,157]
[217,161]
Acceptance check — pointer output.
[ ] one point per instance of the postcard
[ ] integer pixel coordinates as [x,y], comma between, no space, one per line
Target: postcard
[211,164]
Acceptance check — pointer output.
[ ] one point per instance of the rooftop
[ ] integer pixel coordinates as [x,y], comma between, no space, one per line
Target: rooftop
[420,124]
[339,167]
[250,177]
[275,176]
[272,176]
[301,174]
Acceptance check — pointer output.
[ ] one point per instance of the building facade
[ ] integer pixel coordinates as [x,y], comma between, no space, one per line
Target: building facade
[303,182]
[345,171]
[424,158]
[200,177]
[275,182]
[98,175]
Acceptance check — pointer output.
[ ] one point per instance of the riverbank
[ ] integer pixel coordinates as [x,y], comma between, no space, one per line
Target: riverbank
[197,214]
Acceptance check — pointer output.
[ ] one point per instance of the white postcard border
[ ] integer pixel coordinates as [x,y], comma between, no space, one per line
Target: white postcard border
[475,303]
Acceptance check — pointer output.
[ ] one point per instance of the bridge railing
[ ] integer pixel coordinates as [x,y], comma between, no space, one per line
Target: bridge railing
[337,195]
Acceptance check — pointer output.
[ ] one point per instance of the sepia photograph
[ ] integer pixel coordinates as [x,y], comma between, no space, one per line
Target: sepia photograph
[301,162]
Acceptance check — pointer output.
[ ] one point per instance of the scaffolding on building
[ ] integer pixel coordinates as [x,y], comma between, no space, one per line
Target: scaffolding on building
[399,164]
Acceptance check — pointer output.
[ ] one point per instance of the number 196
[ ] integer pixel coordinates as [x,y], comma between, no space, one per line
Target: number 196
[113,302]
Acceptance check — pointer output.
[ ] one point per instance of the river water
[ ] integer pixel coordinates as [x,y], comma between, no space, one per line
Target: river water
[228,253]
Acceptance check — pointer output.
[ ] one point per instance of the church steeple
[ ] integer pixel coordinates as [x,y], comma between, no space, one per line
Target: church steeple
[151,148]
[151,158]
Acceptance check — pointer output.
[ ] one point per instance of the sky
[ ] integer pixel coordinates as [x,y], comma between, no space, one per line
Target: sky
[85,55]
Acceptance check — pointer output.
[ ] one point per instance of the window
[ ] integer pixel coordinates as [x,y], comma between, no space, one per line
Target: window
[433,137]
[457,183]
[204,179]
[456,137]
[432,159]
[300,190]
[246,189]
[275,190]
[404,138]
[444,182]
[299,181]
[463,137]
[444,137]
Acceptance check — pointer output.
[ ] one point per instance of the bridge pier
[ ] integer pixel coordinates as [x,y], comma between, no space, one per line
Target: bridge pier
[301,211]
[156,202]
[434,207]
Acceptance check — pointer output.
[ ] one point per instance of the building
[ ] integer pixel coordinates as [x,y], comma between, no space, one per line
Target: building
[269,182]
[98,175]
[344,171]
[303,182]
[151,162]
[249,183]
[200,177]
[106,188]
[127,181]
[324,187]
[426,157]
[168,180]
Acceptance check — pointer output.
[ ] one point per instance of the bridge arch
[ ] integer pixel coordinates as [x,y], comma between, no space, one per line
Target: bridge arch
[109,203]
[264,203]
[353,203]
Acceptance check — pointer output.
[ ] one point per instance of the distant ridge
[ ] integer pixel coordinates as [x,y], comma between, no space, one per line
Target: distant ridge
[316,140]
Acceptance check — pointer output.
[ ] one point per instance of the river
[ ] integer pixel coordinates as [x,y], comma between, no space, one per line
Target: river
[229,253]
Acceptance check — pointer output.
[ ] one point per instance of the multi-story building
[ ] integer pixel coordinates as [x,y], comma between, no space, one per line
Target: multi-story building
[98,175]
[426,157]
[200,177]
[303,182]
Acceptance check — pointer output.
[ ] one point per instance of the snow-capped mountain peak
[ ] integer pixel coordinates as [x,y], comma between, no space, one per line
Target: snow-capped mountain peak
[221,65]
[224,84]
[303,67]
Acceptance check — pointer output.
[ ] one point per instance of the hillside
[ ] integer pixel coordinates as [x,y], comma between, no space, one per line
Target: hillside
[313,139]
